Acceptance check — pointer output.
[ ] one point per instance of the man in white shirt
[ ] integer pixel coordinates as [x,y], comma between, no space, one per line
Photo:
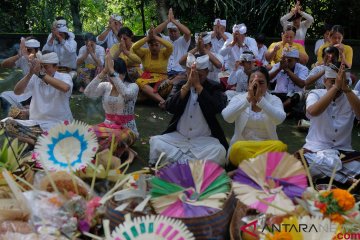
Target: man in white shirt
[219,36]
[89,61]
[331,112]
[289,76]
[110,35]
[51,92]
[62,42]
[234,47]
[193,132]
[29,49]
[180,43]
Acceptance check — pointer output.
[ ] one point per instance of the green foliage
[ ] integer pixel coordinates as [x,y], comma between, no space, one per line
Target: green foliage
[36,16]
[10,152]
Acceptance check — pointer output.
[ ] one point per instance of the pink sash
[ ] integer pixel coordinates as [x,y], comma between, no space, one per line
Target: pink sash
[118,121]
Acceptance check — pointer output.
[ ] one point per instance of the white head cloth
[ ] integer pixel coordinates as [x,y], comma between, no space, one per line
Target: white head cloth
[241,28]
[117,17]
[201,62]
[60,23]
[220,21]
[330,73]
[291,53]
[172,25]
[206,39]
[247,57]
[51,57]
[63,29]
[32,43]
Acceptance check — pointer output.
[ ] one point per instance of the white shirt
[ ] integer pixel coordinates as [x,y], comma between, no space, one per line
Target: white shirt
[283,82]
[357,86]
[181,47]
[304,25]
[234,52]
[110,40]
[192,123]
[255,128]
[217,44]
[23,63]
[240,78]
[261,55]
[214,71]
[48,105]
[66,51]
[99,52]
[318,44]
[319,83]
[238,111]
[332,128]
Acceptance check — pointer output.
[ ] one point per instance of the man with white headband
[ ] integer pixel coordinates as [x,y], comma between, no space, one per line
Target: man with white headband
[219,36]
[110,35]
[240,75]
[289,76]
[180,43]
[64,45]
[331,112]
[204,47]
[234,47]
[193,132]
[29,49]
[51,91]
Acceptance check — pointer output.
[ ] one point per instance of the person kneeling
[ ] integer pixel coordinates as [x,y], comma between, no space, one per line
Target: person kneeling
[328,144]
[194,132]
[256,114]
[50,92]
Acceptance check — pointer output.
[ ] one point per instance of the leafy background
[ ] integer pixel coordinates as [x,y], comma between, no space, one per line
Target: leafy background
[36,16]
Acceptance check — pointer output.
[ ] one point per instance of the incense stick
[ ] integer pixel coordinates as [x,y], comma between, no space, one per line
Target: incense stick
[332,177]
[94,174]
[301,152]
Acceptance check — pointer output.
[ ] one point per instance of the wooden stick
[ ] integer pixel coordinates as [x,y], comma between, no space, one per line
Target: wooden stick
[50,179]
[332,177]
[24,182]
[94,174]
[72,177]
[272,205]
[92,236]
[110,156]
[301,151]
[353,185]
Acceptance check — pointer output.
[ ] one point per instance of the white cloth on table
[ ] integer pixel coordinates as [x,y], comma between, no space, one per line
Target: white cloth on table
[123,104]
[193,135]
[283,82]
[99,52]
[49,106]
[233,52]
[181,47]
[110,40]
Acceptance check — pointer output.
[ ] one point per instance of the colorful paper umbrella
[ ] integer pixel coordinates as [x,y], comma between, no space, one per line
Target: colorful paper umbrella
[276,178]
[191,189]
[67,146]
[152,227]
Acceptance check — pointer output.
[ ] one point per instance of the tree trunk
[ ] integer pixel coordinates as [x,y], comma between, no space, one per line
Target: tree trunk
[142,10]
[162,9]
[75,12]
